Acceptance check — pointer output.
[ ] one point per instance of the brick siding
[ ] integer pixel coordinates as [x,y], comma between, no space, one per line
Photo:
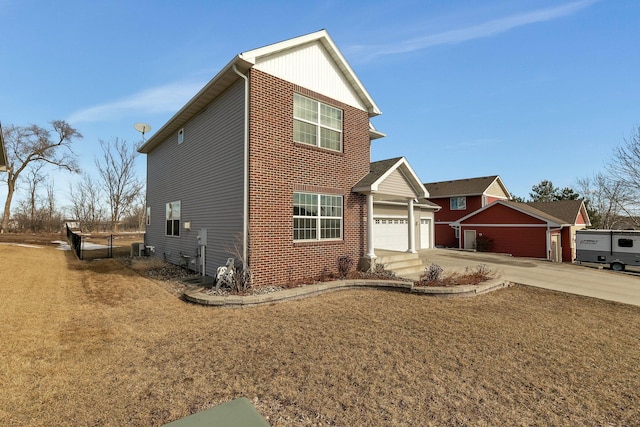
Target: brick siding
[278,167]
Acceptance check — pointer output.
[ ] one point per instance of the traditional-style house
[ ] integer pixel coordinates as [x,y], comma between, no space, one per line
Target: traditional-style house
[457,198]
[270,163]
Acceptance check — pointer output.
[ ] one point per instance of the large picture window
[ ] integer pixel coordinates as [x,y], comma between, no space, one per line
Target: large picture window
[317,216]
[316,124]
[173,218]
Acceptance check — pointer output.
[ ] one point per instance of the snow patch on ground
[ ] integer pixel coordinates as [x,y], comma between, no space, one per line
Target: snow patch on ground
[23,245]
[86,246]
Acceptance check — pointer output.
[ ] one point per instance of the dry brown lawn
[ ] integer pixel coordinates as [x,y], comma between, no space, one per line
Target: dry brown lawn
[95,343]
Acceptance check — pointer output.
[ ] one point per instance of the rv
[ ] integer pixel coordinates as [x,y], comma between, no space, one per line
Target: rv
[617,248]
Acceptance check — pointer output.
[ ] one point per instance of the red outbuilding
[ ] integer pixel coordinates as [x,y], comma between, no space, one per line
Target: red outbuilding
[537,229]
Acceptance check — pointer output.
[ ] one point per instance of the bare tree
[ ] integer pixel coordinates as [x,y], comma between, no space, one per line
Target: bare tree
[118,178]
[86,203]
[624,169]
[53,216]
[33,201]
[625,164]
[605,198]
[34,144]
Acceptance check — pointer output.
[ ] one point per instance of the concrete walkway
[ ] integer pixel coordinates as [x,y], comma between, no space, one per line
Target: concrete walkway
[575,279]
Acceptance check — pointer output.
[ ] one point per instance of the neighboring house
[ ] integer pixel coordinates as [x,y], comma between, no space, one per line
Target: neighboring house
[268,163]
[3,153]
[458,198]
[536,229]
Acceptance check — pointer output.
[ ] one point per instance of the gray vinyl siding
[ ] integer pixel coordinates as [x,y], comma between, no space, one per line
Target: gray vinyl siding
[204,173]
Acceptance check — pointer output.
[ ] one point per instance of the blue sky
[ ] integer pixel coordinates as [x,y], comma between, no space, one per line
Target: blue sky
[528,90]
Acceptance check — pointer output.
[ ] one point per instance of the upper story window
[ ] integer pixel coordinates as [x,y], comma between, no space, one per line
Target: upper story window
[317,217]
[458,203]
[181,136]
[316,124]
[173,218]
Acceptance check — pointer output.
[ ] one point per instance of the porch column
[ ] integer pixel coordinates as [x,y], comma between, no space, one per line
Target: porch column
[412,228]
[370,251]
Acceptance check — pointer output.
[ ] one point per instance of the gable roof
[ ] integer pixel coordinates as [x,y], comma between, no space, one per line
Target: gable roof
[379,171]
[520,207]
[242,62]
[3,153]
[465,187]
[261,56]
[567,210]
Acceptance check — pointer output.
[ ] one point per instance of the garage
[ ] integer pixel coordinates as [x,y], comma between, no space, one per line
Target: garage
[391,234]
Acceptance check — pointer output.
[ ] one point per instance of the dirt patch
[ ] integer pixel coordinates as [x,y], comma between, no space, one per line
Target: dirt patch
[106,346]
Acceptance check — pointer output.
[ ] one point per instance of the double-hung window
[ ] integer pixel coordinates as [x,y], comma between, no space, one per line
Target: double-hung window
[317,217]
[458,203]
[316,124]
[173,218]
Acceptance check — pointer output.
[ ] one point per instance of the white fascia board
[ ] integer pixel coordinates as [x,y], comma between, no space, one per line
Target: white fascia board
[375,133]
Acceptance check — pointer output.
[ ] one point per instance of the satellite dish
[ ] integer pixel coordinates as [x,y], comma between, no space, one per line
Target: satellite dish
[142,127]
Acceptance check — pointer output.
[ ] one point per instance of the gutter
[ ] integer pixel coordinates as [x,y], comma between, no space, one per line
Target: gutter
[245,202]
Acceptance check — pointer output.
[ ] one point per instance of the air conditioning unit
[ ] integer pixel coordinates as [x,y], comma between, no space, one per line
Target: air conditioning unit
[137,249]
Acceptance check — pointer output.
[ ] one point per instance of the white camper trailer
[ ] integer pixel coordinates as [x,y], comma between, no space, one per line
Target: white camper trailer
[617,248]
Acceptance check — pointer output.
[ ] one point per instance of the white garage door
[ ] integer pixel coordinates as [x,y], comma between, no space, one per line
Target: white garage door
[391,233]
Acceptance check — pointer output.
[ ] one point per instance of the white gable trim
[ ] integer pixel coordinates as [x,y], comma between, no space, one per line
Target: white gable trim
[277,58]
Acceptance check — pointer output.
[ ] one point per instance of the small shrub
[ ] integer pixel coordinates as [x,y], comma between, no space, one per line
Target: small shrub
[484,244]
[433,273]
[345,264]
[433,276]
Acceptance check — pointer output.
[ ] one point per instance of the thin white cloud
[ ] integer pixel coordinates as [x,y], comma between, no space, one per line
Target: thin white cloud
[163,99]
[486,29]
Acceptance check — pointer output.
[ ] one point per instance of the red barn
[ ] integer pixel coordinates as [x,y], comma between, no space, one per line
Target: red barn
[537,229]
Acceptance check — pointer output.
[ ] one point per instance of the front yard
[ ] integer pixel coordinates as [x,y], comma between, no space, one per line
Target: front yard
[95,343]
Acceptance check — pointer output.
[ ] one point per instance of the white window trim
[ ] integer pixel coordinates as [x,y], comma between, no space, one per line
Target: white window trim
[148,216]
[181,136]
[174,229]
[459,206]
[318,218]
[320,126]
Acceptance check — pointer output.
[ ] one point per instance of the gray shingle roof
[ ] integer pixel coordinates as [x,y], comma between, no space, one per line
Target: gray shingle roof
[566,210]
[376,170]
[460,187]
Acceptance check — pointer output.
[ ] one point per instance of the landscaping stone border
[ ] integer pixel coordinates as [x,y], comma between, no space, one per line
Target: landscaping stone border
[199,296]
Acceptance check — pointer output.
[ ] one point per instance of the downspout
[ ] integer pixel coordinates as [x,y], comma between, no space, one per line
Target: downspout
[245,202]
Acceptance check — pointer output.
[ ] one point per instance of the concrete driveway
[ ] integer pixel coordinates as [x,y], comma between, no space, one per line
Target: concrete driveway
[570,278]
